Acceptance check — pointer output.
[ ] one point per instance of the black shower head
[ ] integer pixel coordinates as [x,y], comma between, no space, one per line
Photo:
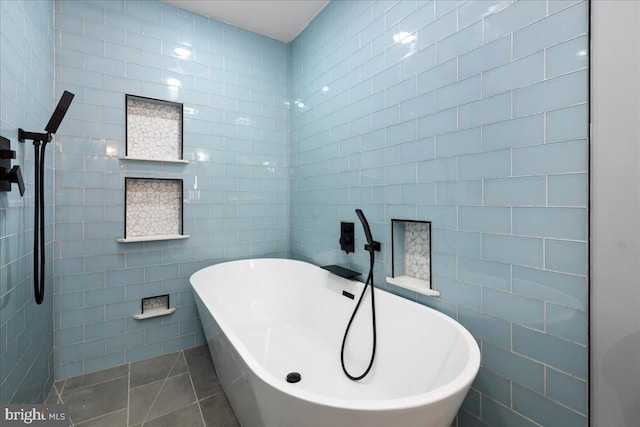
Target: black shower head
[60,111]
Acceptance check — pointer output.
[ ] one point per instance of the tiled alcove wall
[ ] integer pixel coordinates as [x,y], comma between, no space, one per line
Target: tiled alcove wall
[153,207]
[411,256]
[154,129]
[417,243]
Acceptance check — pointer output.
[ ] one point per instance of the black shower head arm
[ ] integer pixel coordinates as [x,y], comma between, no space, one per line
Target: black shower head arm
[52,125]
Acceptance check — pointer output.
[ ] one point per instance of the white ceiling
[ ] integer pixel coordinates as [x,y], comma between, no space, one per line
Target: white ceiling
[278,19]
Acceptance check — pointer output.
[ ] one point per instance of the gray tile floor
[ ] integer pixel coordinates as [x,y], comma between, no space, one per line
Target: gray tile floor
[177,389]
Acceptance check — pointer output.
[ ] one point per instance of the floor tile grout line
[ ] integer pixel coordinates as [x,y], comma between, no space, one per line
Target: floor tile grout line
[128,390]
[144,420]
[193,387]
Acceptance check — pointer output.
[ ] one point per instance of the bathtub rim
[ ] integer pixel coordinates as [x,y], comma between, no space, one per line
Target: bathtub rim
[461,382]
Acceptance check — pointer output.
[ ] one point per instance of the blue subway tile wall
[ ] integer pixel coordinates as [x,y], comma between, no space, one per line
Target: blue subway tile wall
[26,101]
[234,87]
[472,115]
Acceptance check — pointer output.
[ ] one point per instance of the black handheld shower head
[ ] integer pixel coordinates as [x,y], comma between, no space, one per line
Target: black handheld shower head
[40,140]
[371,245]
[59,112]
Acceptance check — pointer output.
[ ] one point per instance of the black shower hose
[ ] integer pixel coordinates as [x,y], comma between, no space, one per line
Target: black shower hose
[373,322]
[38,224]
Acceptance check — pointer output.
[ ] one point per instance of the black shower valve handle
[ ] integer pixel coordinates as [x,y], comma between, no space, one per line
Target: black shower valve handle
[12,175]
[7,154]
[15,176]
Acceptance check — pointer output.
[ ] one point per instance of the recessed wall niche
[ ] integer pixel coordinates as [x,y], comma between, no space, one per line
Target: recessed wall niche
[153,129]
[411,255]
[153,209]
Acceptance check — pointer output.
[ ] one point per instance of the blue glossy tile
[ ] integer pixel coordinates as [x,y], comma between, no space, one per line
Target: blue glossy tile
[485,111]
[543,410]
[557,353]
[521,370]
[561,223]
[459,193]
[400,174]
[413,107]
[471,12]
[561,157]
[444,24]
[568,123]
[80,316]
[568,190]
[417,194]
[399,92]
[486,165]
[98,297]
[513,133]
[485,57]
[456,242]
[567,323]
[566,256]
[443,217]
[551,31]
[524,191]
[418,62]
[515,74]
[438,76]
[461,293]
[99,363]
[513,17]
[551,94]
[493,386]
[67,336]
[104,329]
[438,123]
[437,170]
[69,300]
[567,390]
[567,57]
[485,273]
[461,92]
[494,413]
[461,42]
[514,308]
[485,219]
[486,327]
[563,289]
[525,251]
[402,132]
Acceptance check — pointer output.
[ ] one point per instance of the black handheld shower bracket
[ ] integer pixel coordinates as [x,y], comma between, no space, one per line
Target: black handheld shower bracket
[40,140]
[36,137]
[373,246]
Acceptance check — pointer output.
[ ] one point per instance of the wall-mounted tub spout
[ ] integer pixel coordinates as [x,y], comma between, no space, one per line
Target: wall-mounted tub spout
[40,141]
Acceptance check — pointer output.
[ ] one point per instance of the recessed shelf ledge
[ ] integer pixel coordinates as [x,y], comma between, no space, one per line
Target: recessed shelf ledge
[153,238]
[416,285]
[143,159]
[154,312]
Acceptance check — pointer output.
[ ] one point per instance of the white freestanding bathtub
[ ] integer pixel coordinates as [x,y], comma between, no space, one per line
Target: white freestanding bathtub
[266,318]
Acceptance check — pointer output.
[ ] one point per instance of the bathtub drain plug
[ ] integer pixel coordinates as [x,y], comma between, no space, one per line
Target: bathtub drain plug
[293,377]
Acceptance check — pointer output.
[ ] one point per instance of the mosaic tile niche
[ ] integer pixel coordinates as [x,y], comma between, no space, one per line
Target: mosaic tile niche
[411,255]
[153,208]
[154,129]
